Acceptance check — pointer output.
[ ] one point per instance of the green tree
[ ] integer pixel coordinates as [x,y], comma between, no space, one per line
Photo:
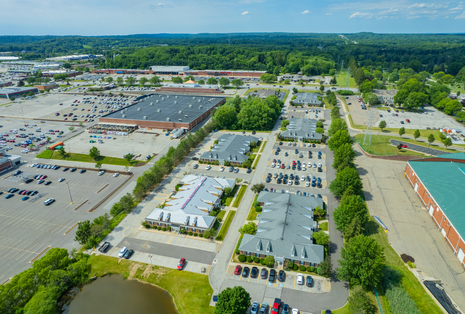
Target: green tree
[71,128]
[44,301]
[343,154]
[326,267]
[416,134]
[401,131]
[350,207]
[344,179]
[109,79]
[366,86]
[128,157]
[20,83]
[382,125]
[237,83]
[228,192]
[48,139]
[119,80]
[226,116]
[62,152]
[447,142]
[322,88]
[269,261]
[31,146]
[360,302]
[353,229]
[130,80]
[67,65]
[94,153]
[224,82]
[257,188]
[321,238]
[212,81]
[83,232]
[47,80]
[268,78]
[233,301]
[361,263]
[339,138]
[201,82]
[155,80]
[415,100]
[249,228]
[143,80]
[431,139]
[98,165]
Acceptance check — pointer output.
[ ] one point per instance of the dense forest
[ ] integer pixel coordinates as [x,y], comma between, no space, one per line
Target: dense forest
[309,53]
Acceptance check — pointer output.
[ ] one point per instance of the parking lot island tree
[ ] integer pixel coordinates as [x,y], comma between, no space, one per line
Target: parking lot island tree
[401,131]
[382,125]
[431,139]
[350,207]
[257,188]
[233,301]
[346,178]
[416,134]
[94,153]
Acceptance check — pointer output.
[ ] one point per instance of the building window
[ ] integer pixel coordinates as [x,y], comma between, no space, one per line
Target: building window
[301,262]
[248,253]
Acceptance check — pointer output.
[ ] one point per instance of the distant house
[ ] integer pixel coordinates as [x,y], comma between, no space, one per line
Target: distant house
[301,129]
[190,207]
[46,86]
[231,147]
[264,93]
[285,230]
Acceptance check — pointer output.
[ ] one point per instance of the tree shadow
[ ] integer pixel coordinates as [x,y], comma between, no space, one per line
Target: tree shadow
[371,227]
[332,247]
[362,171]
[368,196]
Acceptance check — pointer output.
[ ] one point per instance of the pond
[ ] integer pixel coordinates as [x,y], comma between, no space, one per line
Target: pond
[113,294]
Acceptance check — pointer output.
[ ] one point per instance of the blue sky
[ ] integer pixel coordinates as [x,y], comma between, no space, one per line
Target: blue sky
[121,17]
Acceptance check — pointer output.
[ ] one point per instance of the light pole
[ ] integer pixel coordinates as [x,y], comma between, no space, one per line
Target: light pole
[70,193]
[151,256]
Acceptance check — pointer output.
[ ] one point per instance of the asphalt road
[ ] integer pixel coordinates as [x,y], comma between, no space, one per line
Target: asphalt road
[194,255]
[420,149]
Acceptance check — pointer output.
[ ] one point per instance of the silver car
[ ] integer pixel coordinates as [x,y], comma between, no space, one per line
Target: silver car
[255,307]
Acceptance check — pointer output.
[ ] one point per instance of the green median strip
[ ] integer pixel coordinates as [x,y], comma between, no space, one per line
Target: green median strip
[239,196]
[55,155]
[226,224]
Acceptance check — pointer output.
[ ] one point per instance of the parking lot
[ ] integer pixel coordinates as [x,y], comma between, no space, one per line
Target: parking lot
[359,115]
[290,281]
[29,228]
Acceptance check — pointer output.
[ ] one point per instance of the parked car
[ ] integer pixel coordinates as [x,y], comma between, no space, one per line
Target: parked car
[264,306]
[254,308]
[122,252]
[49,201]
[254,272]
[9,195]
[300,279]
[272,275]
[238,270]
[245,272]
[82,171]
[128,254]
[282,276]
[104,247]
[276,306]
[309,281]
[264,273]
[181,264]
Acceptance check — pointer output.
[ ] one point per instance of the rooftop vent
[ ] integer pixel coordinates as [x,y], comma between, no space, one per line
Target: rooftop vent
[180,112]
[199,100]
[180,119]
[144,117]
[167,96]
[163,98]
[176,96]
[151,104]
[190,106]
[200,106]
[186,115]
[123,116]
[138,109]
[193,97]
[175,101]
[167,119]
[156,100]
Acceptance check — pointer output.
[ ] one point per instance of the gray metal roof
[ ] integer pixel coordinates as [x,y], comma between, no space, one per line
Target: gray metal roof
[285,228]
[231,147]
[11,90]
[263,93]
[160,107]
[307,98]
[302,129]
[163,68]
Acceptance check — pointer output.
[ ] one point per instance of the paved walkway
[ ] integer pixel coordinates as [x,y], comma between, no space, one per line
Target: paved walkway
[418,148]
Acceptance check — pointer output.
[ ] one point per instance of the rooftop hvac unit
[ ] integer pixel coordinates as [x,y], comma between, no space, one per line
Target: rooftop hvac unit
[175,101]
[138,109]
[167,96]
[200,106]
[123,116]
[193,97]
[158,110]
[163,98]
[175,96]
[156,100]
[145,118]
[199,100]
[186,115]
[180,112]
[180,119]
[167,119]
[151,104]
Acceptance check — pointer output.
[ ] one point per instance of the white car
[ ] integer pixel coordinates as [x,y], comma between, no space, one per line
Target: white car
[222,169]
[116,174]
[289,182]
[309,164]
[123,250]
[61,179]
[273,165]
[295,311]
[302,178]
[101,173]
[300,279]
[208,167]
[307,184]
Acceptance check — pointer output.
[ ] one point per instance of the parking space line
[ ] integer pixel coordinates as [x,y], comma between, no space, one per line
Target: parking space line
[159,256]
[295,279]
[169,240]
[152,236]
[193,263]
[139,255]
[9,246]
[177,240]
[32,247]
[112,250]
[203,245]
[15,245]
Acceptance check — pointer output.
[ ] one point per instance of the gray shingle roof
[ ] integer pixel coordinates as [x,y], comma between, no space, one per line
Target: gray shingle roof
[302,129]
[307,98]
[285,228]
[263,93]
[231,147]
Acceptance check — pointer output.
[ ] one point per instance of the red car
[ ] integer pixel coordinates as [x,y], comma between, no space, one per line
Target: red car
[404,146]
[282,166]
[408,120]
[293,162]
[181,263]
[238,270]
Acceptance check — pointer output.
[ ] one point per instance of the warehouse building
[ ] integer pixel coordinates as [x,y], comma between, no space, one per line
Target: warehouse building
[190,87]
[161,111]
[285,230]
[121,71]
[231,147]
[190,207]
[71,73]
[224,73]
[301,129]
[16,92]
[5,83]
[439,182]
[8,161]
[169,70]
[47,86]
[307,99]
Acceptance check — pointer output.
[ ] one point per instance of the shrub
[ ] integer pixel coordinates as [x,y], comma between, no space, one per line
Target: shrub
[290,264]
[154,227]
[295,267]
[302,268]
[312,269]
[168,228]
[164,229]
[201,235]
[242,258]
[237,251]
[196,234]
[258,209]
[249,259]
[309,269]
[158,228]
[189,233]
[146,224]
[256,260]
[262,261]
[318,270]
[411,264]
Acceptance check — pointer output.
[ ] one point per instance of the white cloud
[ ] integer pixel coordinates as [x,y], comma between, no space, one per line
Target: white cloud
[305,12]
[359,15]
[161,5]
[329,14]
[457,8]
[245,13]
[461,16]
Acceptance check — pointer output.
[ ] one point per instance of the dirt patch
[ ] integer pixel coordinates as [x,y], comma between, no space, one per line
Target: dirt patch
[155,271]
[133,269]
[407,258]
[140,164]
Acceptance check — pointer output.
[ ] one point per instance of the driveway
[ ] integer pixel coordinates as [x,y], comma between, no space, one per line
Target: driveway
[420,149]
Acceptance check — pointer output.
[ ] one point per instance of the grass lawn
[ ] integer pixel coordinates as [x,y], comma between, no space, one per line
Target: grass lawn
[263,146]
[177,283]
[434,145]
[240,195]
[252,212]
[255,150]
[341,79]
[327,104]
[413,287]
[256,161]
[50,154]
[221,214]
[381,146]
[225,227]
[324,226]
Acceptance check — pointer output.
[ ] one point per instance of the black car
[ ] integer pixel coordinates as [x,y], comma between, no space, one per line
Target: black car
[272,275]
[82,171]
[231,169]
[65,169]
[128,254]
[245,272]
[73,169]
[264,273]
[281,276]
[309,281]
[17,172]
[195,158]
[48,183]
[28,181]
[254,272]
[249,170]
[104,248]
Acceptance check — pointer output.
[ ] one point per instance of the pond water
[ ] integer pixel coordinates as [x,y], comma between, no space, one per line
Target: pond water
[113,294]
